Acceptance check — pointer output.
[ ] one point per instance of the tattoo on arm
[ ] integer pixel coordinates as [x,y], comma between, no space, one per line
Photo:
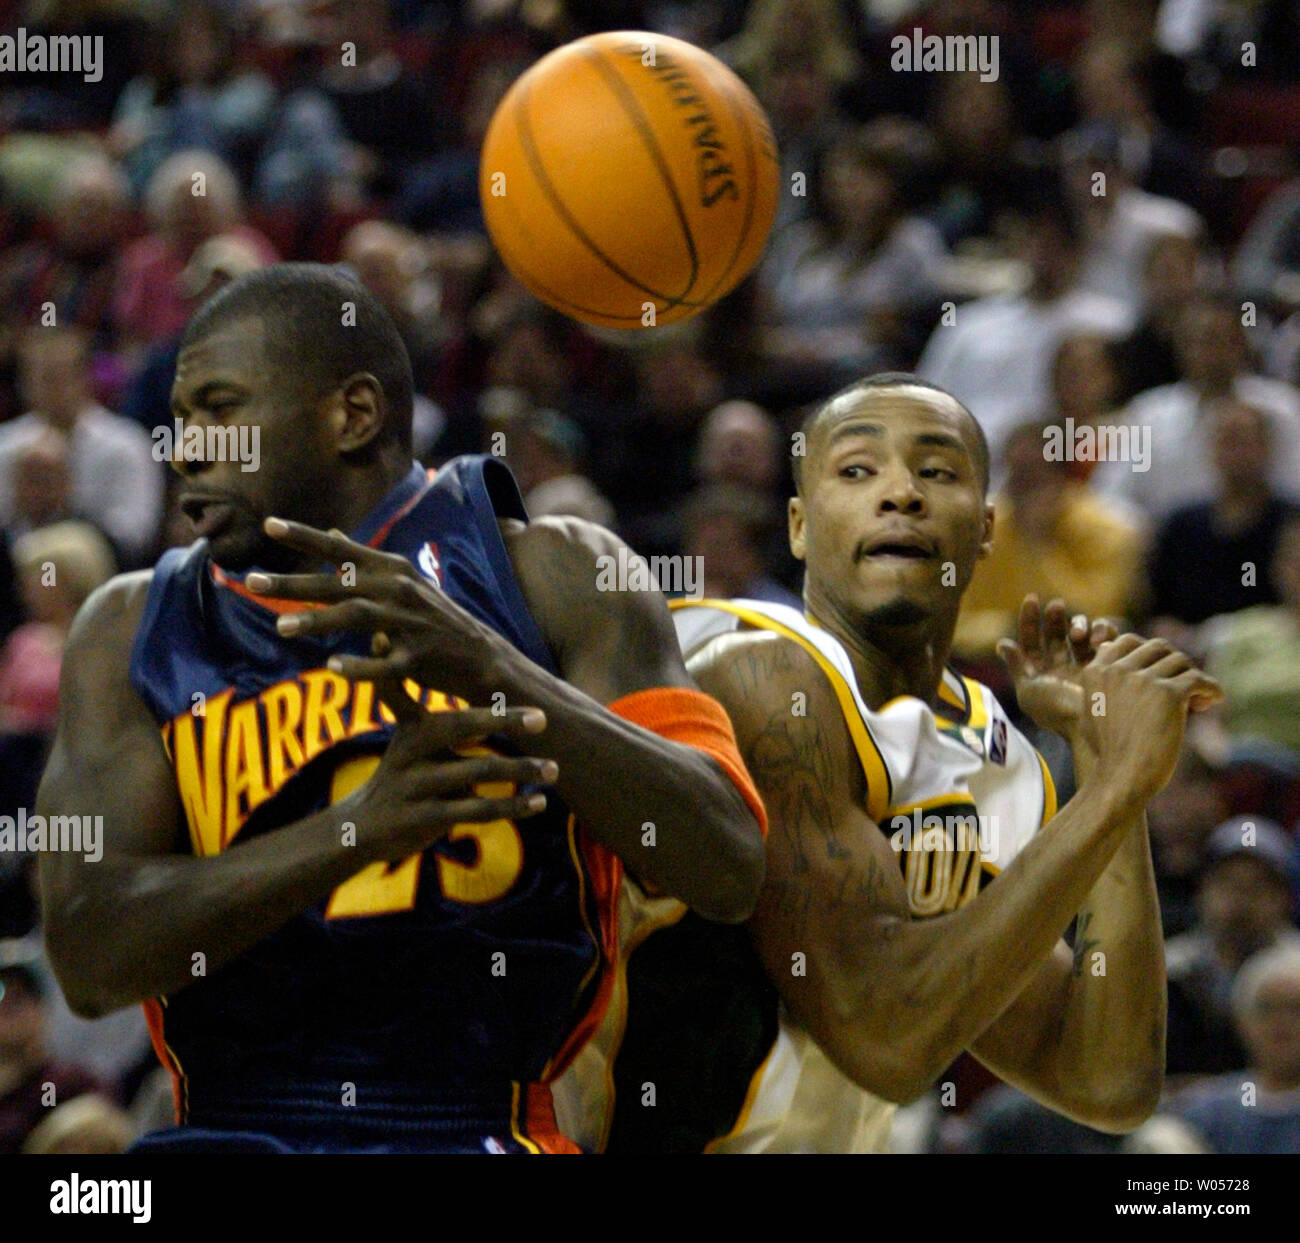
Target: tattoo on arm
[1082,942]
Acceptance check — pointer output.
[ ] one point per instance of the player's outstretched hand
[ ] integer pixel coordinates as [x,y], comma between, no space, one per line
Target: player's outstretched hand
[1046,660]
[429,637]
[436,773]
[1138,694]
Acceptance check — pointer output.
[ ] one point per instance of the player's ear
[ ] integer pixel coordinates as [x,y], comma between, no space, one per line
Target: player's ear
[357,413]
[795,517]
[986,539]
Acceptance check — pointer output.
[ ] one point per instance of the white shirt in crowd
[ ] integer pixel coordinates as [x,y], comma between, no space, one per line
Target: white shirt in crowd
[115,481]
[996,357]
[1181,472]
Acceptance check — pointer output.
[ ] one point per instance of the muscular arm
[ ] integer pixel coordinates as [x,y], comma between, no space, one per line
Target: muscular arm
[1087,1036]
[890,1000]
[126,927]
[616,776]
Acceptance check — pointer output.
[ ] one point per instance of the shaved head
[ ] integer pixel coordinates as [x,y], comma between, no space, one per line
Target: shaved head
[886,381]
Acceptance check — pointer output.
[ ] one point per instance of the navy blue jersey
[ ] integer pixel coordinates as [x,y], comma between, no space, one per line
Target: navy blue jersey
[431,985]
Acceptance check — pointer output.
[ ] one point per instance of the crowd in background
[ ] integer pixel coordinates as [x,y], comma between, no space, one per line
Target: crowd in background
[1104,241]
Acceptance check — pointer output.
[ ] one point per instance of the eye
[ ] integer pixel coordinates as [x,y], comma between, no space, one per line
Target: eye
[937,472]
[862,472]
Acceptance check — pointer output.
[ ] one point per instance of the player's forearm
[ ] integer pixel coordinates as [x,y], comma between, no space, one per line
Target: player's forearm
[666,809]
[125,929]
[928,988]
[1109,1056]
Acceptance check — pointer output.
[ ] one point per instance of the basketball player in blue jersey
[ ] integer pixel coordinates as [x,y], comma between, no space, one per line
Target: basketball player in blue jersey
[896,792]
[367,796]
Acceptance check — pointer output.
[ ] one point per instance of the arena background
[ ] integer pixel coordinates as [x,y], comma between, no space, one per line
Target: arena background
[932,221]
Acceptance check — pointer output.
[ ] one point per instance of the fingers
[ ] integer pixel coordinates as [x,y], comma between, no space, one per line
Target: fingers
[463,776]
[1012,656]
[396,698]
[484,810]
[1030,627]
[1115,650]
[457,729]
[1199,689]
[332,546]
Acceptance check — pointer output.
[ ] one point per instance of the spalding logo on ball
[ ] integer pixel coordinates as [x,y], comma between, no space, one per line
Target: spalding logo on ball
[629,179]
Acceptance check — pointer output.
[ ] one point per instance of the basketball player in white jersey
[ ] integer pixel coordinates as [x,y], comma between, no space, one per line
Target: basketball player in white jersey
[896,791]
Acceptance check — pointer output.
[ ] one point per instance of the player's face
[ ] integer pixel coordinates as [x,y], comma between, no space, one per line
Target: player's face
[892,518]
[227,379]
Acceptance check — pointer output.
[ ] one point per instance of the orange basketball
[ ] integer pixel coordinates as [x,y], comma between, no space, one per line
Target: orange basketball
[629,179]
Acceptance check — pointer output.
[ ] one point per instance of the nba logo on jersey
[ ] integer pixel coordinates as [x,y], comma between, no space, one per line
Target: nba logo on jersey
[429,565]
[998,741]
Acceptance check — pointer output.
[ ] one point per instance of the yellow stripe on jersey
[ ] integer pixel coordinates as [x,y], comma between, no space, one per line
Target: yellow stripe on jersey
[751,1095]
[1049,791]
[978,716]
[873,764]
[514,1122]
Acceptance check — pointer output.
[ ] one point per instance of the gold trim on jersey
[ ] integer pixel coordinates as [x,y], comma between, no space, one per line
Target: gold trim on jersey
[879,783]
[515,1128]
[1049,790]
[751,1095]
[619,1000]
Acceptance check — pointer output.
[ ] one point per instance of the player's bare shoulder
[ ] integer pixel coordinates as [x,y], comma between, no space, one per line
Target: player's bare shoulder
[106,623]
[596,603]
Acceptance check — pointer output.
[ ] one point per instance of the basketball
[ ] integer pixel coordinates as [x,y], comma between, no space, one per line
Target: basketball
[629,179]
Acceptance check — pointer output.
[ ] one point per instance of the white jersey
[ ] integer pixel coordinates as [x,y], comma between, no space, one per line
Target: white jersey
[959,796]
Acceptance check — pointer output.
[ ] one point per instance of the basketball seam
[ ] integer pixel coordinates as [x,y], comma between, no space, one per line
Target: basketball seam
[632,108]
[751,199]
[540,175]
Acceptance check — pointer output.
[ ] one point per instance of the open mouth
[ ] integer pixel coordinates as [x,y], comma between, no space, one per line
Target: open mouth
[906,547]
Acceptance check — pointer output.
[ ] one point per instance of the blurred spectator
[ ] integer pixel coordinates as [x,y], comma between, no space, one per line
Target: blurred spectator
[1120,222]
[851,285]
[1255,654]
[441,191]
[1267,264]
[215,262]
[1180,820]
[547,453]
[996,354]
[355,129]
[739,443]
[1257,1110]
[31,1083]
[58,567]
[1085,388]
[85,1125]
[1244,904]
[72,263]
[192,197]
[1148,356]
[197,97]
[393,264]
[1050,536]
[1114,87]
[1214,361]
[1215,557]
[1211,34]
[728,526]
[115,483]
[798,55]
[977,130]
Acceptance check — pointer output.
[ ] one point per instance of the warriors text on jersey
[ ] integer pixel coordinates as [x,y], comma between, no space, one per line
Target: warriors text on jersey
[426,1002]
[959,794]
